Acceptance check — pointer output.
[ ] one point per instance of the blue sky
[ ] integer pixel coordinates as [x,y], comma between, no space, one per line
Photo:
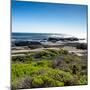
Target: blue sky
[39,17]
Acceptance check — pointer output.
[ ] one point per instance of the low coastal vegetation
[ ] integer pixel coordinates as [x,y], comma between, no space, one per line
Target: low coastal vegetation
[48,68]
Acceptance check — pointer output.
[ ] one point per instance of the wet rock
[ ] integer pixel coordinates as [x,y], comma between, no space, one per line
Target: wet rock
[27,43]
[55,39]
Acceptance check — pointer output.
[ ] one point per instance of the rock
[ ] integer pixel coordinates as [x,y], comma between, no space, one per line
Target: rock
[21,43]
[52,39]
[55,39]
[27,43]
[71,39]
[82,46]
[34,45]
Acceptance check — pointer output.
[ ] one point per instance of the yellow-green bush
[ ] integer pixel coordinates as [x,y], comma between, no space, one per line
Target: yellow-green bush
[83,80]
[22,59]
[49,68]
[62,51]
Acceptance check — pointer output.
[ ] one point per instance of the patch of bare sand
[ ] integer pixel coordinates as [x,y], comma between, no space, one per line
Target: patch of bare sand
[69,48]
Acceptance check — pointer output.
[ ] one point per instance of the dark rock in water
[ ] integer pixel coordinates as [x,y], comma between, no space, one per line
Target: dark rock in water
[55,39]
[71,39]
[21,43]
[82,39]
[62,39]
[45,39]
[27,43]
[52,39]
[34,45]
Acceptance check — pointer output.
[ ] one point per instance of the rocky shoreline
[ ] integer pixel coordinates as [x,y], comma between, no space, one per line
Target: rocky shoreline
[50,42]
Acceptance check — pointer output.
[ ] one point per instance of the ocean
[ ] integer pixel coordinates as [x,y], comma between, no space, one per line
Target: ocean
[34,36]
[37,36]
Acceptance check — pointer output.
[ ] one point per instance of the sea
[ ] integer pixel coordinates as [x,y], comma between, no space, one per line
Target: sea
[36,36]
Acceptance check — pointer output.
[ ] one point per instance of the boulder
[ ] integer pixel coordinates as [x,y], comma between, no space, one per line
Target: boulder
[55,39]
[27,43]
[52,39]
[82,46]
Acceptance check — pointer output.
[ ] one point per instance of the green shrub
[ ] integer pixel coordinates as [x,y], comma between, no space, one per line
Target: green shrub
[69,57]
[53,51]
[84,67]
[47,81]
[67,61]
[44,63]
[22,59]
[17,58]
[60,75]
[56,69]
[62,51]
[57,83]
[49,53]
[77,58]
[75,68]
[33,69]
[37,82]
[41,54]
[83,80]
